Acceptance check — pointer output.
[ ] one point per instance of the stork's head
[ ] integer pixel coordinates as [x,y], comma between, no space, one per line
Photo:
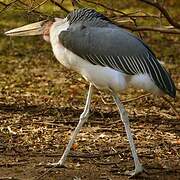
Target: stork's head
[37,28]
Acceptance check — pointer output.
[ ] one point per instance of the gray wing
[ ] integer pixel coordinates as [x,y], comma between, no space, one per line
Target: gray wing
[118,49]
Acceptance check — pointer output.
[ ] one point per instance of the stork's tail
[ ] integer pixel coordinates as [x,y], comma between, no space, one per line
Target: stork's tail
[169,88]
[164,81]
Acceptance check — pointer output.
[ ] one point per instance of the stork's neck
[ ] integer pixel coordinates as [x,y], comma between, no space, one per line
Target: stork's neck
[57,47]
[55,31]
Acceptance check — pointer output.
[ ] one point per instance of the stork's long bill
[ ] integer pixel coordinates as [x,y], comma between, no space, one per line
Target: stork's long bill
[37,28]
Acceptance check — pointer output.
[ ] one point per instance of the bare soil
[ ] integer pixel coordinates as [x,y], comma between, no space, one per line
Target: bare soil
[32,135]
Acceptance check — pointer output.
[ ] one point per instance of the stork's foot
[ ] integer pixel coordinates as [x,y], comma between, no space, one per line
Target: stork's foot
[135,172]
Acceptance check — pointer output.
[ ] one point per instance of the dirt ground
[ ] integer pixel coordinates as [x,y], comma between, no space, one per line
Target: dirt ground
[41,101]
[34,134]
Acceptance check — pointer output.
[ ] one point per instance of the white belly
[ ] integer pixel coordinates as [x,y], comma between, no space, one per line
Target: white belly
[101,77]
[105,77]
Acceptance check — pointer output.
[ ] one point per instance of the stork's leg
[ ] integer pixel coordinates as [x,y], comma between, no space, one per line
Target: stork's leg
[83,118]
[125,119]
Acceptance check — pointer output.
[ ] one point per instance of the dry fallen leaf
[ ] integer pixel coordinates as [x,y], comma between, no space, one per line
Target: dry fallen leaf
[75,146]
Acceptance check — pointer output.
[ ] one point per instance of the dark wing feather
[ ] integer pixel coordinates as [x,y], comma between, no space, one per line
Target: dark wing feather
[88,17]
[118,49]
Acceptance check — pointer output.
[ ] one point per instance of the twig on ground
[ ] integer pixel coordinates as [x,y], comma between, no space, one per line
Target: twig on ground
[128,100]
[116,152]
[136,98]
[8,178]
[12,164]
[167,116]
[51,124]
[79,155]
[172,106]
